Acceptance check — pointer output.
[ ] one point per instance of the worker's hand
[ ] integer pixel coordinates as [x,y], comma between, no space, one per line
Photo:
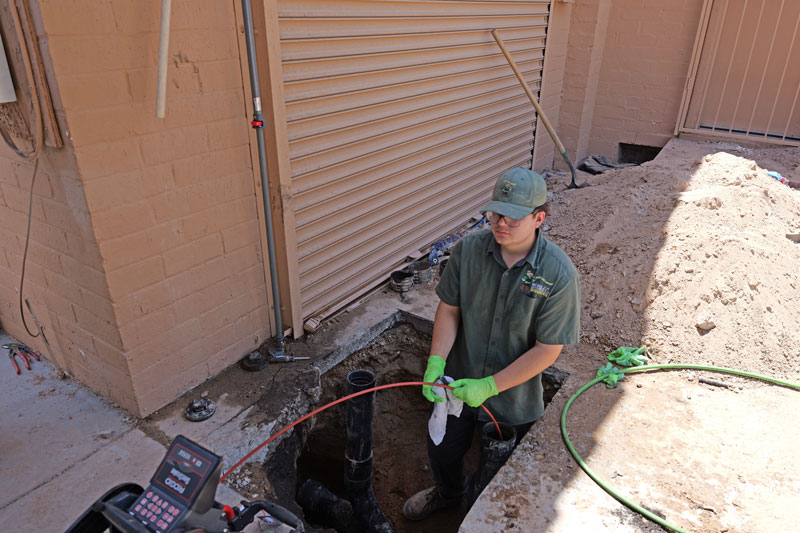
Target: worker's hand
[434,371]
[474,391]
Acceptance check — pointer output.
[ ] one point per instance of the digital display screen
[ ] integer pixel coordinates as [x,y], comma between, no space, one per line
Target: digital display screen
[184,470]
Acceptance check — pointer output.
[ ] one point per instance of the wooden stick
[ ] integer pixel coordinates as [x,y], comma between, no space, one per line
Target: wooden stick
[542,116]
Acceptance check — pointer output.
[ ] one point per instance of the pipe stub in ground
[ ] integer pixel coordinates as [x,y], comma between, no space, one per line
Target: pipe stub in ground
[493,440]
[422,271]
[401,281]
[495,450]
[359,380]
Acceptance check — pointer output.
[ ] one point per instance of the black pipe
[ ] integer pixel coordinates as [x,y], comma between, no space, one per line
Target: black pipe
[258,125]
[495,450]
[323,507]
[358,454]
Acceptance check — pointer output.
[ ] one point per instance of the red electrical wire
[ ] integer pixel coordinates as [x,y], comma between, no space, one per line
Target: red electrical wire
[340,400]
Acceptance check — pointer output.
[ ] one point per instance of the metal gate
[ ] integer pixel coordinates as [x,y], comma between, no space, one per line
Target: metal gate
[399,115]
[744,77]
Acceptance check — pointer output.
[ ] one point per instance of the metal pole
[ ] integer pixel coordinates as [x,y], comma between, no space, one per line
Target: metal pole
[258,125]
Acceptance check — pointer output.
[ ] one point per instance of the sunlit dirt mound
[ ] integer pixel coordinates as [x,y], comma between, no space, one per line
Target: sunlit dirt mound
[691,255]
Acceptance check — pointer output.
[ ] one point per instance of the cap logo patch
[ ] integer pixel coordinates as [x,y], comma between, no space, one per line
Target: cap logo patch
[505,192]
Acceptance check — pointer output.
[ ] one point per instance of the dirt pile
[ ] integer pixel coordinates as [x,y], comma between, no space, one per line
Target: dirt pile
[687,255]
[691,256]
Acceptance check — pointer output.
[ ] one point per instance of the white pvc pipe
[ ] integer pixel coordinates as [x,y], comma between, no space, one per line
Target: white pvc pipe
[163,49]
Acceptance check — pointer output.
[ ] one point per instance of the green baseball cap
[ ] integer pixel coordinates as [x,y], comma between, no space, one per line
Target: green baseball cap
[517,192]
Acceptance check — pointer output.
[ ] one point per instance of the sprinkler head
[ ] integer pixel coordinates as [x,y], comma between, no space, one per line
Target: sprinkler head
[199,410]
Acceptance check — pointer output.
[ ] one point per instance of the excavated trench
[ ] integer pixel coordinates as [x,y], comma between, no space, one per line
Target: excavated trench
[400,465]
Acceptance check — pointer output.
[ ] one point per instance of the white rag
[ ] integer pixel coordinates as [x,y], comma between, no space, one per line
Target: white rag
[437,424]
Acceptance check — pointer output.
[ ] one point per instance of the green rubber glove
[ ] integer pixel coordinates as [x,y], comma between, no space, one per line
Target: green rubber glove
[610,375]
[474,391]
[628,356]
[434,371]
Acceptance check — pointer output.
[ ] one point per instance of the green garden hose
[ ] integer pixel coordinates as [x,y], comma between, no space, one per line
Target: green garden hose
[639,509]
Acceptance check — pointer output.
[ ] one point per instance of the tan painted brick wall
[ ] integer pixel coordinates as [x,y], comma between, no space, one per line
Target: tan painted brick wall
[586,43]
[645,64]
[620,73]
[167,224]
[555,59]
[64,277]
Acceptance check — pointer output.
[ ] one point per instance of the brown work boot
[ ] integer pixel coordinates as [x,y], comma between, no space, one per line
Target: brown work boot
[423,503]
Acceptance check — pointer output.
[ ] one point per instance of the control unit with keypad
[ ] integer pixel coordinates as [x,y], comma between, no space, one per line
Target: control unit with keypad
[177,485]
[180,498]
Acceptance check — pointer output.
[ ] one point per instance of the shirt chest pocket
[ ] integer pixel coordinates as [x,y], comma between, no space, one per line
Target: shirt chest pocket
[525,302]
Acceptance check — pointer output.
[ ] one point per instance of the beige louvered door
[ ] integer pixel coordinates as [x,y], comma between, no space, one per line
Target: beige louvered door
[400,115]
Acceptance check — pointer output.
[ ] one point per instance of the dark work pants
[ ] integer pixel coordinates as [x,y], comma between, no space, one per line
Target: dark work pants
[447,459]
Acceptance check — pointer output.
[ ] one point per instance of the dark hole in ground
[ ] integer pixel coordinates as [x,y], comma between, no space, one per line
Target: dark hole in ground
[636,153]
[400,426]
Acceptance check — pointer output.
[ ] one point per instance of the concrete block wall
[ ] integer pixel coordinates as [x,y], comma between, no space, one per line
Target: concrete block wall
[619,71]
[168,205]
[648,47]
[555,59]
[64,278]
[587,34]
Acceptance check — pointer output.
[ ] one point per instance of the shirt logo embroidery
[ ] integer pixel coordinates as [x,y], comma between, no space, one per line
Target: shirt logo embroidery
[533,286]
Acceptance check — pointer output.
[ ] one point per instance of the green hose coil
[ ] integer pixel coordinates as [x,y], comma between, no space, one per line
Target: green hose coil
[639,509]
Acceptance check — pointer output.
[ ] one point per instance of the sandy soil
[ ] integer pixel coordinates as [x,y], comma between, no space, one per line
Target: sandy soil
[690,255]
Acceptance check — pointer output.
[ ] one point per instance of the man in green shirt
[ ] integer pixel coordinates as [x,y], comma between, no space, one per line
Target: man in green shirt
[510,301]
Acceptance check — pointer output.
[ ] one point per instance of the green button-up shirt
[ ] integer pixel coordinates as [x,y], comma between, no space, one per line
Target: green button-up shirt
[505,311]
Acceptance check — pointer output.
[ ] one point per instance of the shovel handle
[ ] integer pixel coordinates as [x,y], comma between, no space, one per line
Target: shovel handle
[527,90]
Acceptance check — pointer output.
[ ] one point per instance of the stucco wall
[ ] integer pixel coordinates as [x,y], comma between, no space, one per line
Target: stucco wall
[166,208]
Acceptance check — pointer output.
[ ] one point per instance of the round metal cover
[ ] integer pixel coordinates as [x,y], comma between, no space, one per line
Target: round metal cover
[254,361]
[199,410]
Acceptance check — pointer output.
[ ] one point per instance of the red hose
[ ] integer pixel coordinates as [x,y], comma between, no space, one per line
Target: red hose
[340,400]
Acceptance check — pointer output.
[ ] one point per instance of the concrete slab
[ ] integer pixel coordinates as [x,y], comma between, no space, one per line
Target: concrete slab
[63,447]
[55,505]
[47,425]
